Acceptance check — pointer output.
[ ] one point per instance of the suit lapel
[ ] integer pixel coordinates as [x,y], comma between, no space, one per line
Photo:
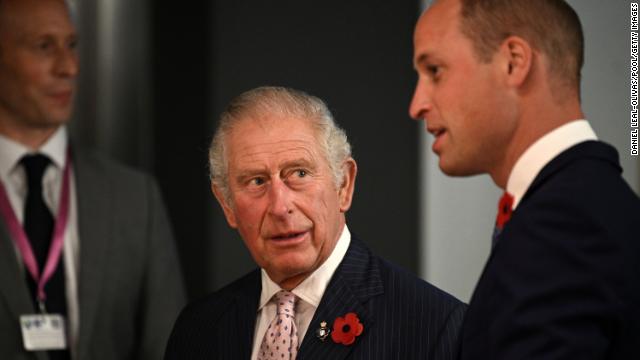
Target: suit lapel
[588,149]
[13,286]
[248,299]
[355,281]
[592,149]
[12,280]
[93,193]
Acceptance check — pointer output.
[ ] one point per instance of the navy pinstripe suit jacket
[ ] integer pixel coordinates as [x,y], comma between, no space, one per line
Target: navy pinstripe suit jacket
[403,317]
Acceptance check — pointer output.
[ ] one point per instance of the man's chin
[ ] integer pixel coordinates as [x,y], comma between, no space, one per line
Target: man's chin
[50,122]
[456,170]
[56,114]
[290,270]
[448,168]
[60,117]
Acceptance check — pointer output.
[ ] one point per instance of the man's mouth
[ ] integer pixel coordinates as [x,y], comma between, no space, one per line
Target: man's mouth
[288,239]
[287,236]
[438,133]
[62,96]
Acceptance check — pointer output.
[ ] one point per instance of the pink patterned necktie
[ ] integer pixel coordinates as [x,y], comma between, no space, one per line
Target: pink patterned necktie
[280,342]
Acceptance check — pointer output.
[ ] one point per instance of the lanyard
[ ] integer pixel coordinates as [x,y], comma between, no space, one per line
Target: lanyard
[22,242]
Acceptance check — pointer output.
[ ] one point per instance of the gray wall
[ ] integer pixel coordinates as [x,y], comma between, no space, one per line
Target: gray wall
[459,213]
[143,99]
[114,105]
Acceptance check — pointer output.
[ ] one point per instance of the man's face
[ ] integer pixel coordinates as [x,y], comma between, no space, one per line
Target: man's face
[38,63]
[283,199]
[464,103]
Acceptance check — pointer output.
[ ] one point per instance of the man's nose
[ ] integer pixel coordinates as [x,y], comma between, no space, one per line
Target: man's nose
[280,204]
[421,101]
[67,62]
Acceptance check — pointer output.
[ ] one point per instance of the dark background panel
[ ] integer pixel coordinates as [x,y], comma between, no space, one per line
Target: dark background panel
[181,63]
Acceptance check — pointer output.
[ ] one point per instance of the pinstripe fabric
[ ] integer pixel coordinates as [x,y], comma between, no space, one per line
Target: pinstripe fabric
[403,316]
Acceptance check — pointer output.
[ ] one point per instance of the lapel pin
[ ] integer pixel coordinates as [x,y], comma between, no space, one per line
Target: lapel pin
[323,331]
[346,329]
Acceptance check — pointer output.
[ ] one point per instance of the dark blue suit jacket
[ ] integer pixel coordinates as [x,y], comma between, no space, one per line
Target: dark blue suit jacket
[403,316]
[563,281]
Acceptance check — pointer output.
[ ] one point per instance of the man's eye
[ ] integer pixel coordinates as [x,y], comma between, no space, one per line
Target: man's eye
[257,181]
[44,45]
[433,70]
[301,173]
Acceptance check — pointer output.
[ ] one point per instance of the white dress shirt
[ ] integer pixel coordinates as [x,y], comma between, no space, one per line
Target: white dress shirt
[541,152]
[14,179]
[309,294]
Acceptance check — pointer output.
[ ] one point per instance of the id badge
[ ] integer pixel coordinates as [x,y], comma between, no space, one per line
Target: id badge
[43,332]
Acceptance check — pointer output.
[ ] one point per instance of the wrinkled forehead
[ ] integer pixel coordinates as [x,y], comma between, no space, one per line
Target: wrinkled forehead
[271,145]
[271,131]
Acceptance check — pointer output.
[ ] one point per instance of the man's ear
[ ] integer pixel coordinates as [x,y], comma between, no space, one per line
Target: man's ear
[516,56]
[345,191]
[226,207]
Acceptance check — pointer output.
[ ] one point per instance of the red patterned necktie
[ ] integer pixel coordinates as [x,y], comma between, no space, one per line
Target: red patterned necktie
[504,214]
[280,341]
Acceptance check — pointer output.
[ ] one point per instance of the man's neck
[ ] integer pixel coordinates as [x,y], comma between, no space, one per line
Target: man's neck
[31,137]
[536,121]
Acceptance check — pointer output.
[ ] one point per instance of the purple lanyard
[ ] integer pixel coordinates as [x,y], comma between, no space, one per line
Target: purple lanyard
[22,241]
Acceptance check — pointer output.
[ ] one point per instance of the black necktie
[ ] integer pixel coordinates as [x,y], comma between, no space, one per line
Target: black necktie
[38,225]
[38,221]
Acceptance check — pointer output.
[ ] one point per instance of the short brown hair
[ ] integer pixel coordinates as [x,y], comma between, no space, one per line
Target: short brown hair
[550,26]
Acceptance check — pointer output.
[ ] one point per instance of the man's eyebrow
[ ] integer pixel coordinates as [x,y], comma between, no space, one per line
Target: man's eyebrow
[420,60]
[249,173]
[300,162]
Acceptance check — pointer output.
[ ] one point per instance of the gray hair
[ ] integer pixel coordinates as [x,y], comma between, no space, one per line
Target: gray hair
[286,102]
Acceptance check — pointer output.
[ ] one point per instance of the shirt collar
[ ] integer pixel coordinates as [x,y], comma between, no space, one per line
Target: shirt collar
[312,288]
[12,151]
[541,152]
[56,147]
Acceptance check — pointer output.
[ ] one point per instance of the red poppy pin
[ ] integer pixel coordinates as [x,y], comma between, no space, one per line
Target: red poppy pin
[346,329]
[504,210]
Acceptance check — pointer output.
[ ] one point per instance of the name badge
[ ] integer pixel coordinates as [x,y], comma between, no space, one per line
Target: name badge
[43,332]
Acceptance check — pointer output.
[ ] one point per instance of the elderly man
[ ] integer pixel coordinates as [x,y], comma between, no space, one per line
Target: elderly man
[499,88]
[283,174]
[84,242]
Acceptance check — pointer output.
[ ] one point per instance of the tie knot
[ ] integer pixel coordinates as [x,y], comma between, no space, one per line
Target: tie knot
[286,302]
[35,165]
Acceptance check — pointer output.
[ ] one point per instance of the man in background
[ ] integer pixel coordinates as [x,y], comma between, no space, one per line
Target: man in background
[84,241]
[499,88]
[282,171]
